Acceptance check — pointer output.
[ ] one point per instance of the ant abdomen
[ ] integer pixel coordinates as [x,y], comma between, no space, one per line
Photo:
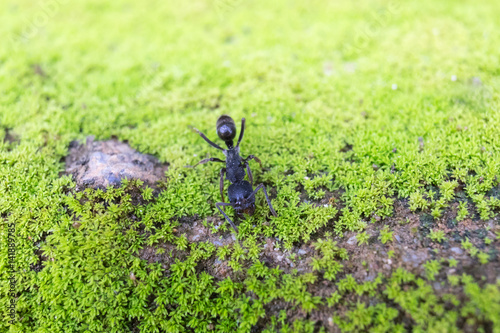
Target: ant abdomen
[226,128]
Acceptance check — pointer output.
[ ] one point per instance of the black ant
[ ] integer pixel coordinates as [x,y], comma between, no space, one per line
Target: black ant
[241,193]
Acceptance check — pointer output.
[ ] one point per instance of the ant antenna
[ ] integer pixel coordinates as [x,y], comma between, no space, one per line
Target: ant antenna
[242,130]
[208,140]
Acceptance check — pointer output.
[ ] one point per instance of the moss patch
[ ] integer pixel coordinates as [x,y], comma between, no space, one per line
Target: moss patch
[376,124]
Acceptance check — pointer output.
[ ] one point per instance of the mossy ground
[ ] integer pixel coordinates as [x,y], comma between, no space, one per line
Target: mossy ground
[373,119]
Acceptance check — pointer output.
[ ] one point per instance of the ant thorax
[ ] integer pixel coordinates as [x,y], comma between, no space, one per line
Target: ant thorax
[232,151]
[235,171]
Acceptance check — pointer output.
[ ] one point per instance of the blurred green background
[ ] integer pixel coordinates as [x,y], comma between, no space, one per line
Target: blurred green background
[378,101]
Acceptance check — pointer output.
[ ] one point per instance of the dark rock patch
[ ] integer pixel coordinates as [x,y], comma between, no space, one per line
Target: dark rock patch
[10,137]
[99,164]
[37,69]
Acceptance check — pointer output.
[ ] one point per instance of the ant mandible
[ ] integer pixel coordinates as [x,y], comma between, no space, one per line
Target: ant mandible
[241,193]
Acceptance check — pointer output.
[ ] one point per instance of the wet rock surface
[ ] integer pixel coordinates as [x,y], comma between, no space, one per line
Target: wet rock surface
[99,164]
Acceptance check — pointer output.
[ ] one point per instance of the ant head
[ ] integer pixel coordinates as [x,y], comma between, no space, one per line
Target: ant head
[226,129]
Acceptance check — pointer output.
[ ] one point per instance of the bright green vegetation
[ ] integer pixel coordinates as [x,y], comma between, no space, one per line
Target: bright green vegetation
[386,235]
[378,101]
[362,238]
[437,235]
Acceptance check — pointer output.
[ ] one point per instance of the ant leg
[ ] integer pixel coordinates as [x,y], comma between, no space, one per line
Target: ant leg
[242,130]
[250,177]
[208,140]
[211,159]
[245,162]
[221,184]
[227,218]
[252,157]
[261,186]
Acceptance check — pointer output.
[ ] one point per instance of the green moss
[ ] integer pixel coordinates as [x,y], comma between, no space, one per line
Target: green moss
[432,269]
[462,211]
[483,257]
[437,235]
[386,235]
[362,238]
[328,262]
[371,117]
